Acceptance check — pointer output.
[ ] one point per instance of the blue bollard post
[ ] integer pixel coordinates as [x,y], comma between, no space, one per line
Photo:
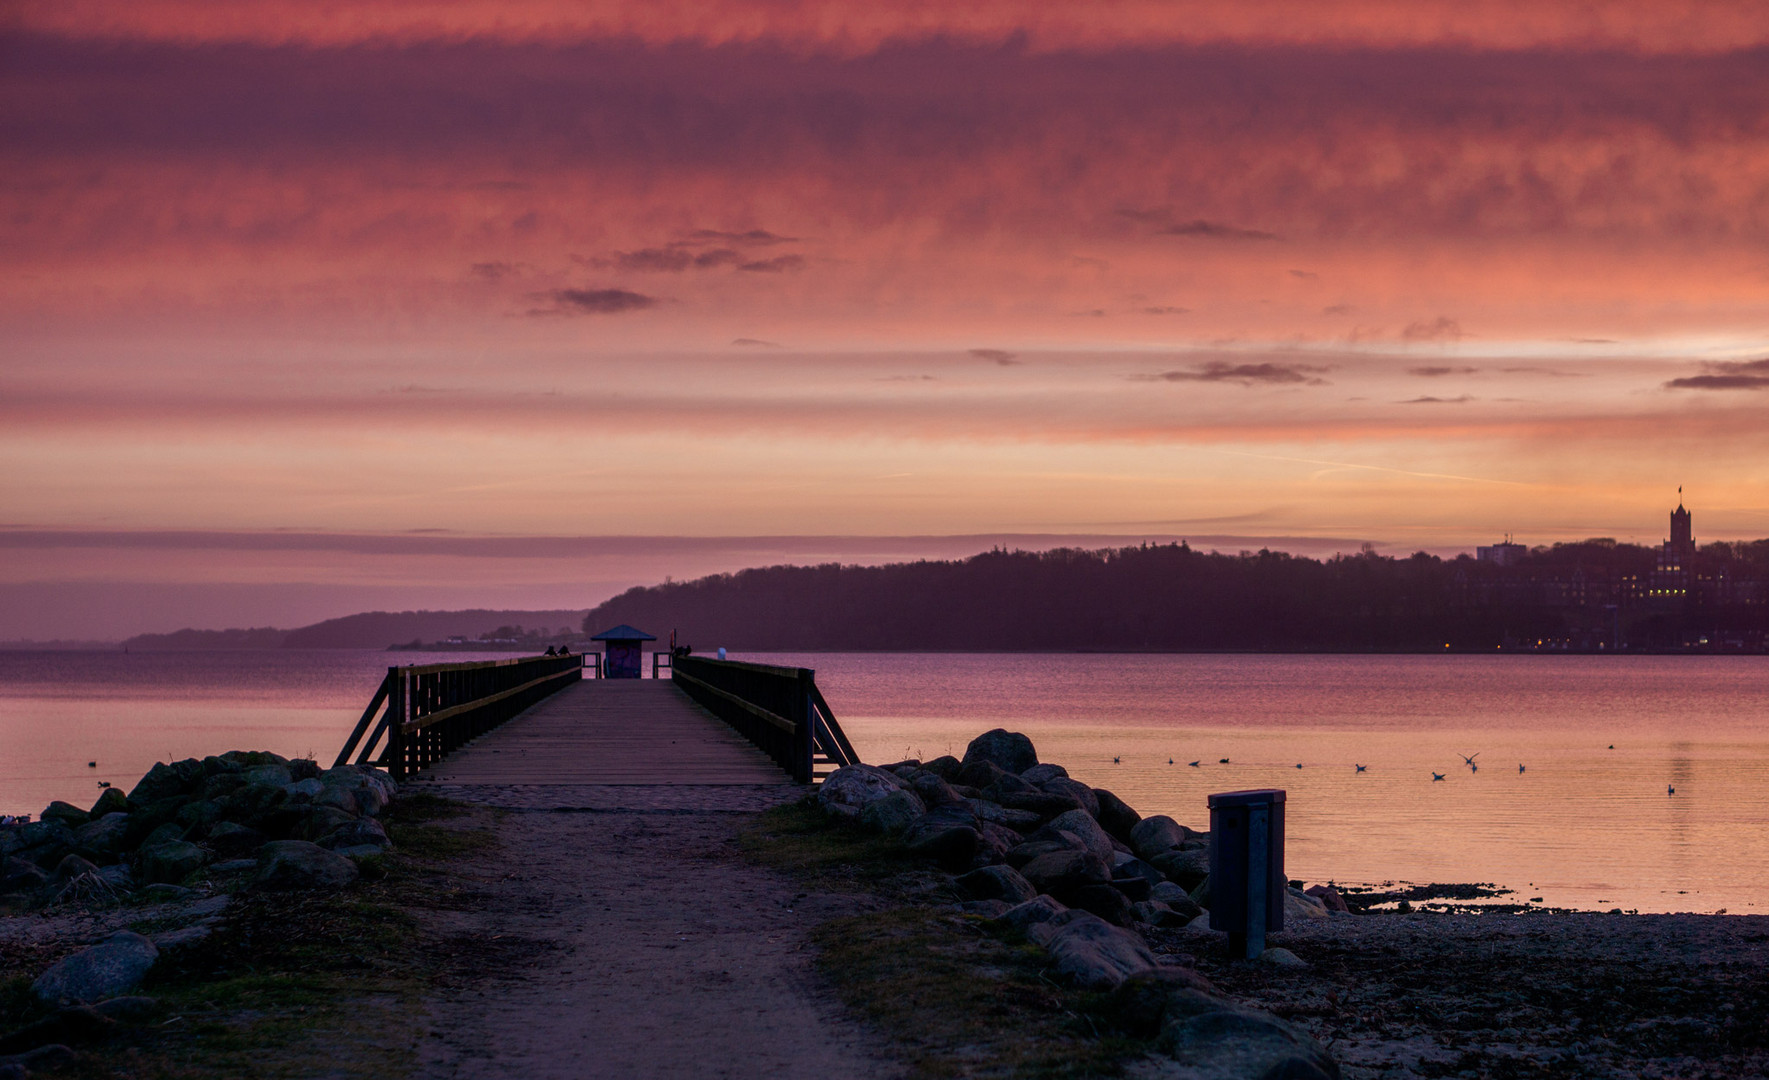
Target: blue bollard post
[1247,882]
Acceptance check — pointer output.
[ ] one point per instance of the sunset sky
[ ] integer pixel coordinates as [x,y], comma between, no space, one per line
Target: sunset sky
[307,308]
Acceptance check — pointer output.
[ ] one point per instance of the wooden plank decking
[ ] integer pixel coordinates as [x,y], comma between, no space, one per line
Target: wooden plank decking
[611,731]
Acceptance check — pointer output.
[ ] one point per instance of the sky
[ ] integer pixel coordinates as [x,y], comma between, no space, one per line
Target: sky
[307,308]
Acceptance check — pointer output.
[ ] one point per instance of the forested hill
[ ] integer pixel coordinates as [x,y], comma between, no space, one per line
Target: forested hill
[1164,597]
[369,630]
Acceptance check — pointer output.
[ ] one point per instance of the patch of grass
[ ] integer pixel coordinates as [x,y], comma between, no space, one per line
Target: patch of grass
[292,984]
[954,998]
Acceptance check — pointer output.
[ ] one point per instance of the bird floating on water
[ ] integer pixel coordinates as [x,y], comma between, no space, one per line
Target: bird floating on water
[1670,791]
[1222,761]
[1436,776]
[1359,768]
[1196,764]
[1114,761]
[104,783]
[1469,758]
[1169,761]
[92,764]
[1299,764]
[1520,768]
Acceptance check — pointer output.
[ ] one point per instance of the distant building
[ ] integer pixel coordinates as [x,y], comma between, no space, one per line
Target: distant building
[1501,554]
[1672,576]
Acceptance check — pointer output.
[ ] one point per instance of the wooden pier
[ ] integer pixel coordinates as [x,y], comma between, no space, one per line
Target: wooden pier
[538,720]
[611,731]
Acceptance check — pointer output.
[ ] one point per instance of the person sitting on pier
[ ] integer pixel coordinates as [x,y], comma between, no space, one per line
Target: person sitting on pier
[552,651]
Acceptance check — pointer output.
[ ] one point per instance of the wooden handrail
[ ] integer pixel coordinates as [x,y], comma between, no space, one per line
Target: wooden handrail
[779,709]
[754,710]
[421,722]
[432,709]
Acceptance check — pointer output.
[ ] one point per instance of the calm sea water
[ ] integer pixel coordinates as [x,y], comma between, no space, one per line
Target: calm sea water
[1584,825]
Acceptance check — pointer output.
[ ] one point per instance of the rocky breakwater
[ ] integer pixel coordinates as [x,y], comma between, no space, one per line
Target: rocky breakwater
[1078,872]
[171,850]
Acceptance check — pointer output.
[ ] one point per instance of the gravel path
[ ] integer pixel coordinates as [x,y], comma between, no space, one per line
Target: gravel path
[616,932]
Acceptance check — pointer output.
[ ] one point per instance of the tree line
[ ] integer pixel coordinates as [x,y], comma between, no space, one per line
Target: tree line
[1169,597]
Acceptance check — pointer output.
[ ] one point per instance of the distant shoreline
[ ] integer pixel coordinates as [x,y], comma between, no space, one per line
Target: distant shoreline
[439,647]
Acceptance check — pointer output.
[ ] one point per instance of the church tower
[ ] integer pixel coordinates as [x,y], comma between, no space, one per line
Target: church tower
[1682,535]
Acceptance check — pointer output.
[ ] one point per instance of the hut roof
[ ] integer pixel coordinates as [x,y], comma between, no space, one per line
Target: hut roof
[623,632]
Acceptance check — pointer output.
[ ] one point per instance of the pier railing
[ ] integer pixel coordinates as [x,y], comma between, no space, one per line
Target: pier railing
[779,709]
[432,709]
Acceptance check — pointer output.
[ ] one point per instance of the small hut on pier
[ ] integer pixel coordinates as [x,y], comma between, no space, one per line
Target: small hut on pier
[623,652]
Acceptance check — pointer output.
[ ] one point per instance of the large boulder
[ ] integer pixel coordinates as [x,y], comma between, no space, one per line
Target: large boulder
[1105,901]
[229,838]
[371,788]
[993,844]
[1063,873]
[276,775]
[945,767]
[308,790]
[247,759]
[1090,952]
[1115,816]
[934,791]
[851,788]
[1009,750]
[113,967]
[1020,855]
[170,862]
[1210,1038]
[1299,907]
[1074,789]
[949,835]
[1157,835]
[985,776]
[1184,868]
[110,801]
[997,883]
[197,815]
[1001,782]
[893,814]
[298,864]
[1329,898]
[1043,803]
[1042,773]
[66,813]
[1020,821]
[166,781]
[105,836]
[1036,910]
[1081,825]
[358,833]
[322,821]
[21,875]
[1126,865]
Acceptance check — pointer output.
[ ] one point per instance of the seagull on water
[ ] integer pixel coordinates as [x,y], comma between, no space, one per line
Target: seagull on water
[1520,768]
[1196,764]
[1114,761]
[1169,761]
[1222,761]
[1670,791]
[1436,776]
[1469,758]
[1299,764]
[1359,768]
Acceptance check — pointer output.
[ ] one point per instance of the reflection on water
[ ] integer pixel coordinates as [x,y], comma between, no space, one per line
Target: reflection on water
[1584,825]
[125,711]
